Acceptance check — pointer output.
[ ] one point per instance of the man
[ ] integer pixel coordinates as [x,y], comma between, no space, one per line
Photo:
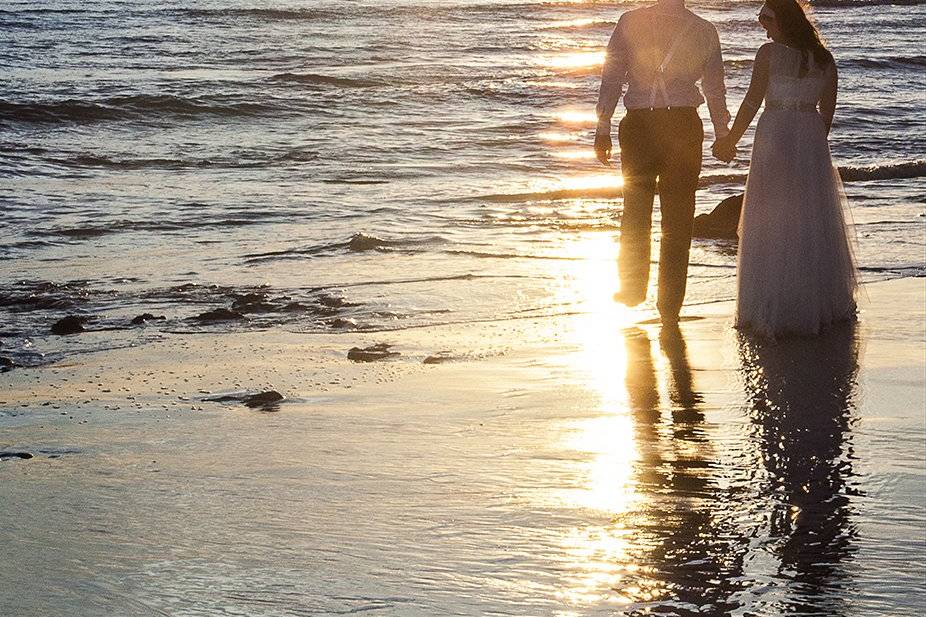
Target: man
[660,52]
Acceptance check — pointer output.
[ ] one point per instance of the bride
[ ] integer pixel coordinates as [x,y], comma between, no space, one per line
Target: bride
[795,269]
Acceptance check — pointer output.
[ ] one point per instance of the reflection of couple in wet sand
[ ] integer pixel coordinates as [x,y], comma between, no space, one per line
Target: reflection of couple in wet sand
[795,269]
[764,525]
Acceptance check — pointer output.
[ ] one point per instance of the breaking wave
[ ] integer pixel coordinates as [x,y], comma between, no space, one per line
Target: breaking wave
[124,108]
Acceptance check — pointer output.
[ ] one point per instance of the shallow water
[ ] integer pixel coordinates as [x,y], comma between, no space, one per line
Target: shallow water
[597,469]
[334,166]
[172,158]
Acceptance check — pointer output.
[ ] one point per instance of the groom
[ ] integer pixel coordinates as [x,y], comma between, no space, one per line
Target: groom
[660,52]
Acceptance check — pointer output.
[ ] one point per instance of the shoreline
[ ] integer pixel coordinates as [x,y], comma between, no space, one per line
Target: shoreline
[325,355]
[564,466]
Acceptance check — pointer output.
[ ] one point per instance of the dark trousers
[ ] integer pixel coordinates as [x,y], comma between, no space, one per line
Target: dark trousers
[660,148]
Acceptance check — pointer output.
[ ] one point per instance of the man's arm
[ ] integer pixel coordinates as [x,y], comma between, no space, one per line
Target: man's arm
[715,92]
[613,77]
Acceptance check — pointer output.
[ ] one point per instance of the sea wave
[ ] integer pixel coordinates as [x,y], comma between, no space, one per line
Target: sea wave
[357,243]
[124,107]
[265,14]
[876,62]
[234,160]
[910,169]
[864,3]
[324,80]
[205,220]
[887,62]
[893,171]
[579,24]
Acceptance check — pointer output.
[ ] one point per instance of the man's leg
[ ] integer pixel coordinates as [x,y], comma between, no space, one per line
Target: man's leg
[681,136]
[638,169]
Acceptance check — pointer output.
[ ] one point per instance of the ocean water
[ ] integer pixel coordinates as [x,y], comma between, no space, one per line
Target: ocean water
[372,164]
[348,166]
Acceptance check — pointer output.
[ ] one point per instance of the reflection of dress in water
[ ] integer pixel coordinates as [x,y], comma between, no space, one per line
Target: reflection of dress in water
[795,268]
[802,399]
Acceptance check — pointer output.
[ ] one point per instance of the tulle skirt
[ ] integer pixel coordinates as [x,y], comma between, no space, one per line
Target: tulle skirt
[795,268]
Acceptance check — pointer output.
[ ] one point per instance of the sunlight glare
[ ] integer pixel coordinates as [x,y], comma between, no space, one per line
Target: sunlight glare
[594,182]
[573,116]
[586,153]
[554,137]
[600,564]
[572,23]
[575,60]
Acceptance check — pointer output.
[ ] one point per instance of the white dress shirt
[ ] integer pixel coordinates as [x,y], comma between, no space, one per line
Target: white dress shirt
[638,49]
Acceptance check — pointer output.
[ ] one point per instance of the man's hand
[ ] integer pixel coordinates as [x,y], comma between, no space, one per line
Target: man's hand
[724,149]
[603,145]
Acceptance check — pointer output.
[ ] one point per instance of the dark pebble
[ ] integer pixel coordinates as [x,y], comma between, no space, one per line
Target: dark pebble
[253,303]
[220,314]
[6,364]
[334,302]
[439,358]
[146,317]
[380,351]
[8,455]
[72,324]
[263,399]
[267,401]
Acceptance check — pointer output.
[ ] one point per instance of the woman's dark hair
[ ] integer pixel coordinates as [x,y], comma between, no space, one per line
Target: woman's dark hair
[799,32]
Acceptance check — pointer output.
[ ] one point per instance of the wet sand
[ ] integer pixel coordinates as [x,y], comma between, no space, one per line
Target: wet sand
[578,465]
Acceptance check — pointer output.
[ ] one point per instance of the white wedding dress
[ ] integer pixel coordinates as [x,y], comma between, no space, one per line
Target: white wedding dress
[795,269]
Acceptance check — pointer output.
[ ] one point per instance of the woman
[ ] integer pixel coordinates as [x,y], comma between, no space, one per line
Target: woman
[795,270]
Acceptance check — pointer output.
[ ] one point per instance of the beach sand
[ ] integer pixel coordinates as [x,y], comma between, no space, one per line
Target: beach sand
[581,464]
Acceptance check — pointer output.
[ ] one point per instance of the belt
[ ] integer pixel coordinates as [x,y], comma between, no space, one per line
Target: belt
[677,108]
[790,106]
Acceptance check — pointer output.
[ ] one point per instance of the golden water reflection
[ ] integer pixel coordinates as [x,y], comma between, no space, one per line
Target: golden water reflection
[561,137]
[666,519]
[585,153]
[581,59]
[639,440]
[590,183]
[577,116]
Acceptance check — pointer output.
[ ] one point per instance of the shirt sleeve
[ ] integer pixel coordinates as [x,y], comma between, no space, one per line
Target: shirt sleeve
[715,92]
[613,75]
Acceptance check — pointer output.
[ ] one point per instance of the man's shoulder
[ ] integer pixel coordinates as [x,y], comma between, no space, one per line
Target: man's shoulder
[628,17]
[703,24]
[647,13]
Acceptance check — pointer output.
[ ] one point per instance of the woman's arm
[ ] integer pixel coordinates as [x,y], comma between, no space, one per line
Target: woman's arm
[828,100]
[754,95]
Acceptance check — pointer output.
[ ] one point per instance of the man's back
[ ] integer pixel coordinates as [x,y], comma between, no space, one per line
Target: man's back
[673,38]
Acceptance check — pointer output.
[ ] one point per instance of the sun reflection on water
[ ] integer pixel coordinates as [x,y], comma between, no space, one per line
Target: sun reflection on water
[575,116]
[585,153]
[582,250]
[555,137]
[600,557]
[581,59]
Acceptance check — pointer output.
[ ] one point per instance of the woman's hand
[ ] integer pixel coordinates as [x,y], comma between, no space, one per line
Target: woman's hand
[724,149]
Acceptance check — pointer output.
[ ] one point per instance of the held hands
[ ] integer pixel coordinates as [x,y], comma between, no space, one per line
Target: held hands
[724,149]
